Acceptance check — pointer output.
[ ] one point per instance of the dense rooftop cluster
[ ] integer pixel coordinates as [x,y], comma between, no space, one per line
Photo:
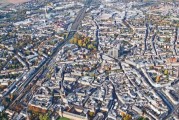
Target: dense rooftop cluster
[89,59]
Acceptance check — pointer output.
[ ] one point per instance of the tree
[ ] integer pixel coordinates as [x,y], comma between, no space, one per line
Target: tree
[3,116]
[86,40]
[94,48]
[44,117]
[63,118]
[157,79]
[142,118]
[91,114]
[166,72]
[80,43]
[75,40]
[90,46]
[76,36]
[127,117]
[84,45]
[72,41]
[48,75]
[11,97]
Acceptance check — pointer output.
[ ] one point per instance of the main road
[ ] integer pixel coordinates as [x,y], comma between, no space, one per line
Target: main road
[45,63]
[160,94]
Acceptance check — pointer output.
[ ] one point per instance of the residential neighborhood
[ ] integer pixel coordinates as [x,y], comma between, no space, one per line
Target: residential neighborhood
[89,60]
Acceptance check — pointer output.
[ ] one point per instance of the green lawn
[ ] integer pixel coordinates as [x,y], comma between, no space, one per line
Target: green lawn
[63,118]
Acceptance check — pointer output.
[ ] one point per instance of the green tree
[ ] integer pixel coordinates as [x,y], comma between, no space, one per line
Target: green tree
[91,114]
[63,118]
[84,45]
[48,75]
[142,118]
[90,46]
[44,117]
[166,72]
[3,116]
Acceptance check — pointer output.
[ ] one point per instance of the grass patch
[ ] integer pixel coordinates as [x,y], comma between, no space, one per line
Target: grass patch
[63,118]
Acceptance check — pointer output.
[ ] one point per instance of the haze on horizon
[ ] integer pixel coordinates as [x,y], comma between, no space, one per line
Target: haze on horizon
[13,1]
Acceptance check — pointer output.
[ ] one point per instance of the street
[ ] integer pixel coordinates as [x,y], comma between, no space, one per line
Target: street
[40,68]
